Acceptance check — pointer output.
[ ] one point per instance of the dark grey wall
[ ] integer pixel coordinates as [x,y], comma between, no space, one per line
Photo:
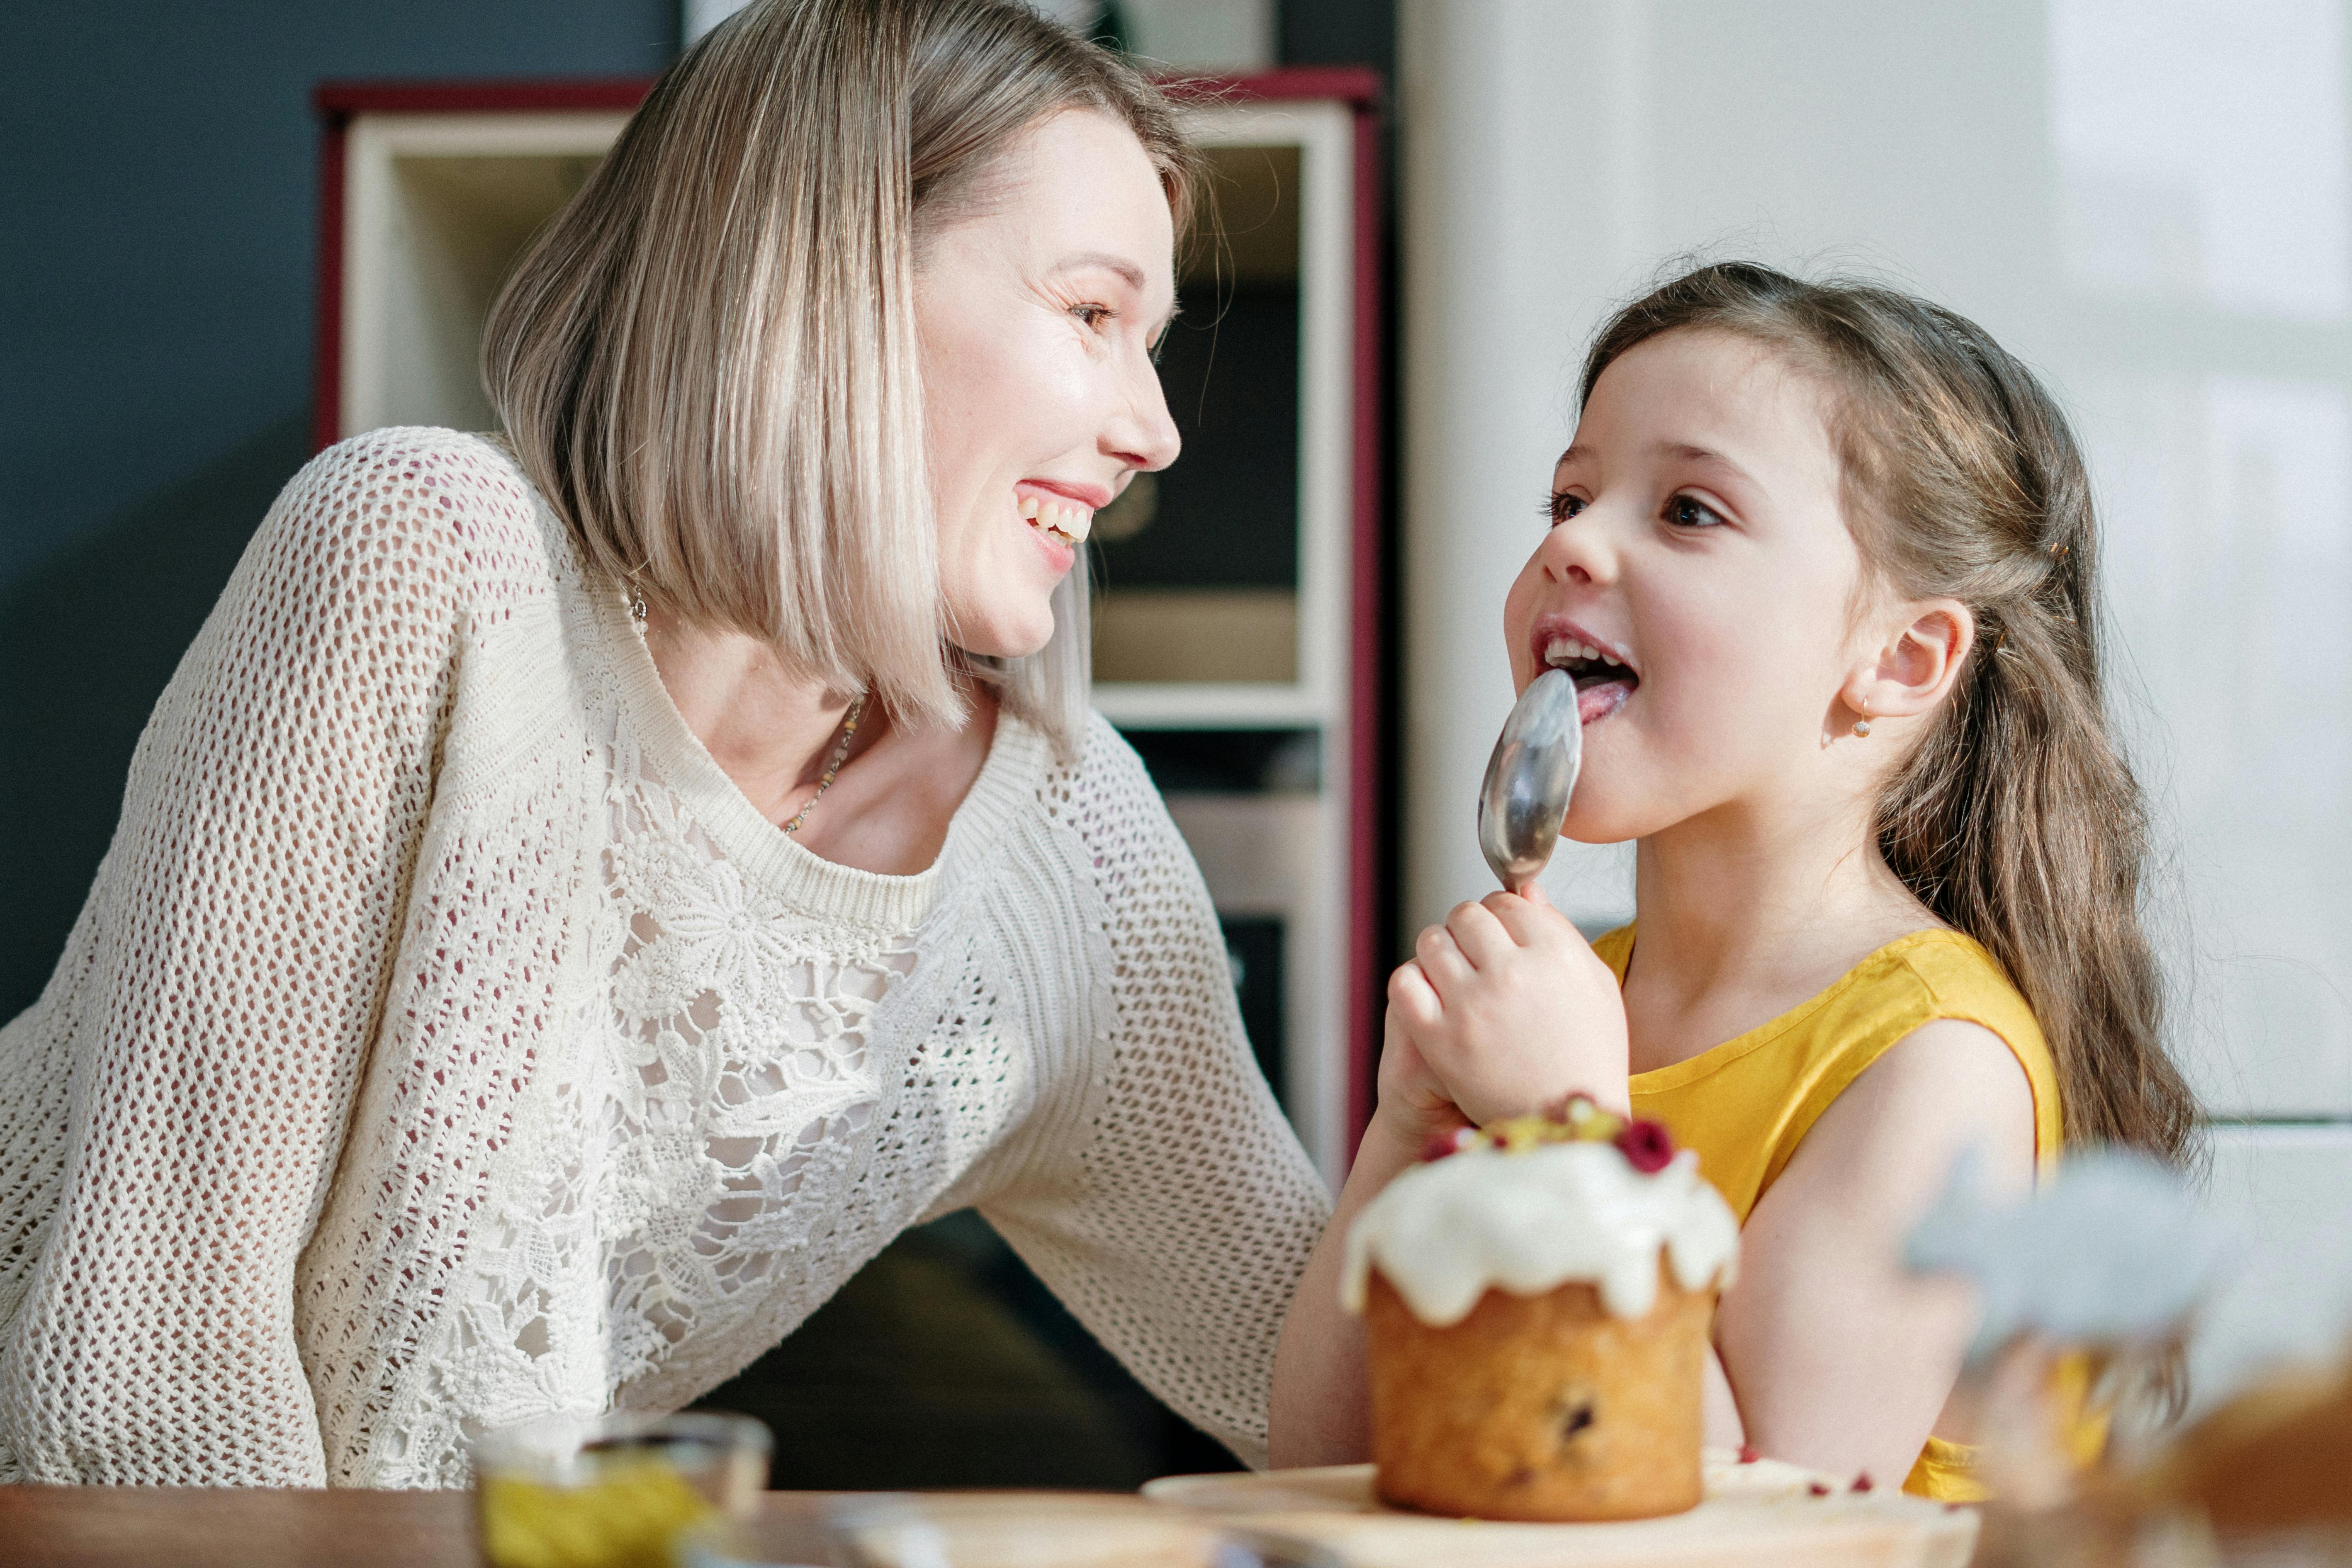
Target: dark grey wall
[158,181]
[158,171]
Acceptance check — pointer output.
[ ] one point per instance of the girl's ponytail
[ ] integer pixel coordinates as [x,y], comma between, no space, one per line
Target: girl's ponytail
[2016,820]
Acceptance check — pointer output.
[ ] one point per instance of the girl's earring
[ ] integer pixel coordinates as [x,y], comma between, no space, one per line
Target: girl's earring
[1862,726]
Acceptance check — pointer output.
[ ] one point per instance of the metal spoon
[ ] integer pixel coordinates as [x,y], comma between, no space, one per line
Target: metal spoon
[1529,779]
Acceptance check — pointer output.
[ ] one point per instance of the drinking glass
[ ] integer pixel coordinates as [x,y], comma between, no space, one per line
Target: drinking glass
[613,1491]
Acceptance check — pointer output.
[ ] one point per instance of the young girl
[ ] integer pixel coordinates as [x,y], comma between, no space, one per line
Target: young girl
[1820,559]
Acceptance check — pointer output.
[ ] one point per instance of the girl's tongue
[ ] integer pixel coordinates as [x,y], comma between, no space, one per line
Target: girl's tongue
[1603,683]
[1596,701]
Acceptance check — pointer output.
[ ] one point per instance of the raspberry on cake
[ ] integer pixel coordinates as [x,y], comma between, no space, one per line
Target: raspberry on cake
[1537,1296]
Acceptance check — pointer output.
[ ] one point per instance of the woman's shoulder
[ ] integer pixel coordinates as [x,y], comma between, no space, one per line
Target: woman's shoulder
[1094,785]
[420,498]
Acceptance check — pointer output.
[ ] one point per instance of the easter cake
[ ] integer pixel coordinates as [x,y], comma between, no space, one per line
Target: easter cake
[1536,1299]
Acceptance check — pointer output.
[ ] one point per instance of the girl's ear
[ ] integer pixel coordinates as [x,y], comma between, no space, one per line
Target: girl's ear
[1918,665]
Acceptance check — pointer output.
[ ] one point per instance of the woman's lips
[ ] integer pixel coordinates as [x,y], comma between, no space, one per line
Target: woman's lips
[1059,553]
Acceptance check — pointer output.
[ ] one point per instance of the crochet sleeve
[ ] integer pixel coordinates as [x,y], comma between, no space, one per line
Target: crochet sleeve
[1175,1209]
[181,1090]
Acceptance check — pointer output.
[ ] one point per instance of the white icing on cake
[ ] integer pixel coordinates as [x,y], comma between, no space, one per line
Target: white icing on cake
[1444,1233]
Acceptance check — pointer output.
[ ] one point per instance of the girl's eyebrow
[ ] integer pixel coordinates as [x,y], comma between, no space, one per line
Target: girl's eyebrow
[1684,452]
[1681,451]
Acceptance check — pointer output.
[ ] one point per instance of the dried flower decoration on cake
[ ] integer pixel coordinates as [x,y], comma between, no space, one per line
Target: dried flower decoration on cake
[1646,1144]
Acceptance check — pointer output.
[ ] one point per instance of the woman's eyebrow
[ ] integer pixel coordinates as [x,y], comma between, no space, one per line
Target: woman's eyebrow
[1127,271]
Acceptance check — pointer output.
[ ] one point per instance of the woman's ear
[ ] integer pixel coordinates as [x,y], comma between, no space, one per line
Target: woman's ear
[1918,665]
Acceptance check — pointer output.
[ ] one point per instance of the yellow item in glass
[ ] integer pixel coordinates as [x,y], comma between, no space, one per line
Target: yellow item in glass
[629,1516]
[1746,1104]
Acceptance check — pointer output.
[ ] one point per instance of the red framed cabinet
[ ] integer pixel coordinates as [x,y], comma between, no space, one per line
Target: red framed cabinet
[1236,613]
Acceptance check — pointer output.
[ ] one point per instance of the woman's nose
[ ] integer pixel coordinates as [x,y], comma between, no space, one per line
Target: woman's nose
[1144,434]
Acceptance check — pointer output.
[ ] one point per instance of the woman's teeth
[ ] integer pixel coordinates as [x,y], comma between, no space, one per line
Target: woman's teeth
[1068,519]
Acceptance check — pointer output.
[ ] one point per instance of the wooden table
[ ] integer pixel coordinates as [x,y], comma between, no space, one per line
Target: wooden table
[195,1527]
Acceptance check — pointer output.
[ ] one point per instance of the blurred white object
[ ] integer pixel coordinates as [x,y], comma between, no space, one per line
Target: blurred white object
[2287,1190]
[2110,1251]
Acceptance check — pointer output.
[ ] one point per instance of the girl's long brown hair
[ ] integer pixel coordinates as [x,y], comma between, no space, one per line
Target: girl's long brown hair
[2016,820]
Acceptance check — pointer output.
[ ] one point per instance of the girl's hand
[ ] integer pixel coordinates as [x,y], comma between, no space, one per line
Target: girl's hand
[1504,1010]
[1414,1106]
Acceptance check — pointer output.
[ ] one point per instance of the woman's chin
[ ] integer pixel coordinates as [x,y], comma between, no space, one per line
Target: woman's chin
[996,640]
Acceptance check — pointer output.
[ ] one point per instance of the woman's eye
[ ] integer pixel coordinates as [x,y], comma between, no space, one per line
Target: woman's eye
[1688,512]
[1561,506]
[1092,315]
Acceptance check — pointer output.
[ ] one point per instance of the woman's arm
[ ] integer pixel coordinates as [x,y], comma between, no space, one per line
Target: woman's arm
[1841,1359]
[1175,1209]
[199,1051]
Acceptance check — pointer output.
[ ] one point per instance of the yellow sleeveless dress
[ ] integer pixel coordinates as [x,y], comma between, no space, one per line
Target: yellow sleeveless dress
[1746,1104]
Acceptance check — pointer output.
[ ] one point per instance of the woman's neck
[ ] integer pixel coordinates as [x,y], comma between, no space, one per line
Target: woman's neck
[1748,910]
[900,784]
[769,731]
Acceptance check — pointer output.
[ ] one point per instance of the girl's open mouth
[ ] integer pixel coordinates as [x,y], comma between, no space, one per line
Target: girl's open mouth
[1603,678]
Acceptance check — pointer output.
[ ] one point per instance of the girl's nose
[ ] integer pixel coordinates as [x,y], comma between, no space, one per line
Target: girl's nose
[1143,434]
[1579,551]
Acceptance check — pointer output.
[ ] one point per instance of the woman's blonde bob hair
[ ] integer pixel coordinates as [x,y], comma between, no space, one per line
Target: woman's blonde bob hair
[708,360]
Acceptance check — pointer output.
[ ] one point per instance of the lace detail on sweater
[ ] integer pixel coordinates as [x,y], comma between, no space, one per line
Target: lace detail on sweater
[439,1046]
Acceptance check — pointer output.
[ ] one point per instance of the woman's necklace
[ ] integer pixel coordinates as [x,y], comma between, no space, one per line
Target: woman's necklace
[840,750]
[832,766]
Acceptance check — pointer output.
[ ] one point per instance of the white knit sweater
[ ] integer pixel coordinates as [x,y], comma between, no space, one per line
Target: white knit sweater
[447,1041]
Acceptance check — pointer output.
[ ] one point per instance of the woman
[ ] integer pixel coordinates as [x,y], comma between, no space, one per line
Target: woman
[580,898]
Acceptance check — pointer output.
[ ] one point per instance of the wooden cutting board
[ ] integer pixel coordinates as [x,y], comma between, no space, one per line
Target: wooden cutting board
[1761,1515]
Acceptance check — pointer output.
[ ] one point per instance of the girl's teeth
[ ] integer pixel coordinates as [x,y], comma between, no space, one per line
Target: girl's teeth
[1559,650]
[1029,508]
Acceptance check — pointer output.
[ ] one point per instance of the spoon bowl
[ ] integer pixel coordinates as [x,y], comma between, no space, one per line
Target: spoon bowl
[1529,779]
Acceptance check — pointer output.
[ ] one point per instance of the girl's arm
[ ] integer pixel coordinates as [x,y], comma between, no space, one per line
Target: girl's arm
[1452,1054]
[1841,1359]
[1322,1408]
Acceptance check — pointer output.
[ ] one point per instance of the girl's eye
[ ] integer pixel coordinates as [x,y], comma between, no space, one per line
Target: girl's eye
[1092,315]
[1559,506]
[1688,512]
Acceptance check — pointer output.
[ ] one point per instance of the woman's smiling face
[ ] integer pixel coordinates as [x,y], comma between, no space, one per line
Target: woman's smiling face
[1699,547]
[1038,317]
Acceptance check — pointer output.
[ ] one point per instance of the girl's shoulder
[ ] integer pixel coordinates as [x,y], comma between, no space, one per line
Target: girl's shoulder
[1750,1102]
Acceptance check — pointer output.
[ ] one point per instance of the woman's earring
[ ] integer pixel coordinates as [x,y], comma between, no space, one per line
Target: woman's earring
[1862,726]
